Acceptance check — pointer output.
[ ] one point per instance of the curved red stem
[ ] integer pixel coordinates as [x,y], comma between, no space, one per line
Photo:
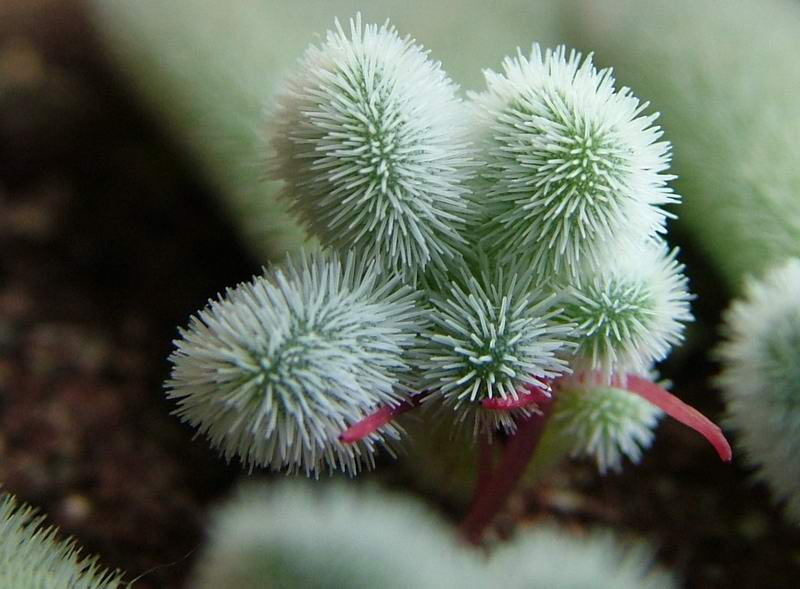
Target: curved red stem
[679,411]
[373,422]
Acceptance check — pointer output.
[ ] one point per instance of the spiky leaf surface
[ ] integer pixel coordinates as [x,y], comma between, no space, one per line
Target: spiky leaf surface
[630,312]
[293,537]
[761,378]
[604,422]
[494,334]
[369,138]
[32,556]
[571,163]
[274,370]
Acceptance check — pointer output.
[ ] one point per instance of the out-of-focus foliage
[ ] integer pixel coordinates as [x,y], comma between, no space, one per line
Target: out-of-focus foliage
[294,537]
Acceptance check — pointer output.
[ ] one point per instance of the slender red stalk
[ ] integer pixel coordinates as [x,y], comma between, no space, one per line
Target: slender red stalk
[485,464]
[492,495]
[525,398]
[679,411]
[515,458]
[373,422]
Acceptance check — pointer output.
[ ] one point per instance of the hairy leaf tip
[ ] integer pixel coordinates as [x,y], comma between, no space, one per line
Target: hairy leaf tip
[629,313]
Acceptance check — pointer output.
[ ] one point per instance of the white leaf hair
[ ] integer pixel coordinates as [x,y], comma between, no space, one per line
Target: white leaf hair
[370,139]
[571,163]
[276,368]
[630,312]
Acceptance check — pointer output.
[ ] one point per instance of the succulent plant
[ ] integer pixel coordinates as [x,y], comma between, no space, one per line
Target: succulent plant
[33,557]
[630,312]
[276,368]
[569,163]
[306,368]
[478,276]
[370,140]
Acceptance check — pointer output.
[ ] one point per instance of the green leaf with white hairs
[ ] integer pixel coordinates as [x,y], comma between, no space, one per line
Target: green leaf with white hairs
[568,163]
[603,422]
[276,368]
[370,139]
[493,334]
[630,312]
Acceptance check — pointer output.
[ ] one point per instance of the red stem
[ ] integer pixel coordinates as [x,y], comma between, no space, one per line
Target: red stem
[373,422]
[679,411]
[525,398]
[515,458]
[485,464]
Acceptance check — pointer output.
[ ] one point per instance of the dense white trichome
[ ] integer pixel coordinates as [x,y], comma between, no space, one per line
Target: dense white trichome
[570,163]
[276,368]
[494,334]
[630,312]
[370,139]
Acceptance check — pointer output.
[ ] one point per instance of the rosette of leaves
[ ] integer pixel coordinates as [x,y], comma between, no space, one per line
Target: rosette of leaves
[570,165]
[276,368]
[32,556]
[304,368]
[370,140]
[761,379]
[494,334]
[630,312]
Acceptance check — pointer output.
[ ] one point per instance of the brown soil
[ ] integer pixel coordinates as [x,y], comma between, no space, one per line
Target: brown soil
[108,242]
